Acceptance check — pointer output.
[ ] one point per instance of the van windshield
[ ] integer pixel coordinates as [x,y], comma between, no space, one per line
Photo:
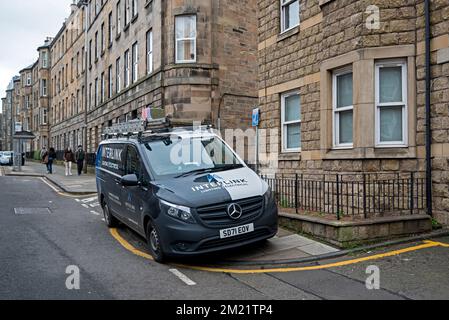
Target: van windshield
[179,156]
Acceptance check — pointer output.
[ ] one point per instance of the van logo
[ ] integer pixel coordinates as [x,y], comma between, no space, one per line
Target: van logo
[235,211]
[213,178]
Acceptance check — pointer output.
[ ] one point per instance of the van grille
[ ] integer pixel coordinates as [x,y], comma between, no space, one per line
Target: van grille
[217,215]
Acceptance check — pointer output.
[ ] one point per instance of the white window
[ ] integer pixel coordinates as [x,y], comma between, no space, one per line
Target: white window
[185,39]
[134,8]
[118,82]
[119,18]
[102,89]
[135,62]
[102,46]
[44,87]
[149,51]
[391,104]
[29,79]
[45,59]
[343,108]
[110,84]
[96,93]
[127,12]
[127,68]
[291,122]
[289,14]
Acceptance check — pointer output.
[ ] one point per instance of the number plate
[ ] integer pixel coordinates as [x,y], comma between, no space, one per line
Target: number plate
[233,232]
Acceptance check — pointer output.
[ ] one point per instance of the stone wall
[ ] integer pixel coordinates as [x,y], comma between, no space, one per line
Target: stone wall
[334,34]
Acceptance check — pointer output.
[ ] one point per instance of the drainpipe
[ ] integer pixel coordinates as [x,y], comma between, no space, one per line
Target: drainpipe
[428,111]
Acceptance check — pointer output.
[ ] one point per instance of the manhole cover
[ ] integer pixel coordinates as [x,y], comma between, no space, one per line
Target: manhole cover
[25,211]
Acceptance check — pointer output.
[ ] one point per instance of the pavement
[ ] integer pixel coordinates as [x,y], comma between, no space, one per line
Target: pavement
[84,184]
[57,233]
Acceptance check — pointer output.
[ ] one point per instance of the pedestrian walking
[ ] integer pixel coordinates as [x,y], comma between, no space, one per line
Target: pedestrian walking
[43,152]
[50,157]
[69,158]
[79,157]
[44,158]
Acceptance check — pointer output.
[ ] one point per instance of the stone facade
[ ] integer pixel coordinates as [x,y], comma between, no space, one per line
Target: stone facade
[338,37]
[89,86]
[6,119]
[225,62]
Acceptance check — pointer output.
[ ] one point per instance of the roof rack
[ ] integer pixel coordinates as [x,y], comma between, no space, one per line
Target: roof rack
[141,127]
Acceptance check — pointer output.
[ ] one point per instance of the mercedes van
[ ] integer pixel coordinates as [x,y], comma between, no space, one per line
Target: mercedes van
[185,190]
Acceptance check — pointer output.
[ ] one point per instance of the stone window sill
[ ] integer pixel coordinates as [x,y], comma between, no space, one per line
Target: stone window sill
[148,2]
[323,2]
[371,153]
[288,34]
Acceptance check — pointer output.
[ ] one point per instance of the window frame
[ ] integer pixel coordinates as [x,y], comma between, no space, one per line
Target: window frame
[149,56]
[404,103]
[135,62]
[110,82]
[118,75]
[284,123]
[126,69]
[282,18]
[118,18]
[44,88]
[184,39]
[335,111]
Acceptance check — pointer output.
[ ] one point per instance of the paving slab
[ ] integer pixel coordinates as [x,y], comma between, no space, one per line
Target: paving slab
[316,249]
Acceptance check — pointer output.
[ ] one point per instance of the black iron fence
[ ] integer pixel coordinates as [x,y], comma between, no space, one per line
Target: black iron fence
[362,195]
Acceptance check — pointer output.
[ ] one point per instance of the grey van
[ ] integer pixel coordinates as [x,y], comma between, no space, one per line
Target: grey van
[185,190]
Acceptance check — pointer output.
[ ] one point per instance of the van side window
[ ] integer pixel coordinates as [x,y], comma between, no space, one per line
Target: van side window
[112,158]
[133,162]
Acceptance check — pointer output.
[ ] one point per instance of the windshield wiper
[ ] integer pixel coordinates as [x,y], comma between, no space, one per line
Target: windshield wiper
[225,167]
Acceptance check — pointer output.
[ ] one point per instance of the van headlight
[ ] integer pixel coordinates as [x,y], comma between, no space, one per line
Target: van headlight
[178,212]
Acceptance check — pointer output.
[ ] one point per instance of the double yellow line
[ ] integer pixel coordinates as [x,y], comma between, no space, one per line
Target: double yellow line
[425,245]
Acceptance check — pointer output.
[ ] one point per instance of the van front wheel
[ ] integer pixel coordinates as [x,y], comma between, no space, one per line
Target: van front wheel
[154,243]
[110,220]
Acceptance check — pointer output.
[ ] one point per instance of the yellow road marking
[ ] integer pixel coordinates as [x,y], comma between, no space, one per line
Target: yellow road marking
[425,245]
[441,244]
[75,196]
[128,246]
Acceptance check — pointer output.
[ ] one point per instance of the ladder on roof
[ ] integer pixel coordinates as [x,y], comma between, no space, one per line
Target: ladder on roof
[139,127]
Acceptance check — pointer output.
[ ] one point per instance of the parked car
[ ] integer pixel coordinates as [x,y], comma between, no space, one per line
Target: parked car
[187,207]
[6,158]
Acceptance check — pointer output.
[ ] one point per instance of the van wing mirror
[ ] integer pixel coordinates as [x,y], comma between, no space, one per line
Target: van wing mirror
[130,180]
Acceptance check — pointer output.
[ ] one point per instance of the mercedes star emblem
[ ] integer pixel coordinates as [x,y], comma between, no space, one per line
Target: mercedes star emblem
[235,211]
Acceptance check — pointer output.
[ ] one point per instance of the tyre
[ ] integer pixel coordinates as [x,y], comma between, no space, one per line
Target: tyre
[154,243]
[110,220]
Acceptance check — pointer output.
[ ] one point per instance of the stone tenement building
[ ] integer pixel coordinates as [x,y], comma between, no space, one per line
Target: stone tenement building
[113,58]
[347,91]
[7,110]
[196,59]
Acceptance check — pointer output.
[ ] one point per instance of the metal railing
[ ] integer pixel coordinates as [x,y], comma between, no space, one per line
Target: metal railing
[357,195]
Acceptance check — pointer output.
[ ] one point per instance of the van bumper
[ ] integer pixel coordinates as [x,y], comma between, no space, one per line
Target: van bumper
[184,240]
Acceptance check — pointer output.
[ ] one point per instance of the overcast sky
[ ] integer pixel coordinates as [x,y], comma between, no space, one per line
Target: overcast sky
[24,25]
